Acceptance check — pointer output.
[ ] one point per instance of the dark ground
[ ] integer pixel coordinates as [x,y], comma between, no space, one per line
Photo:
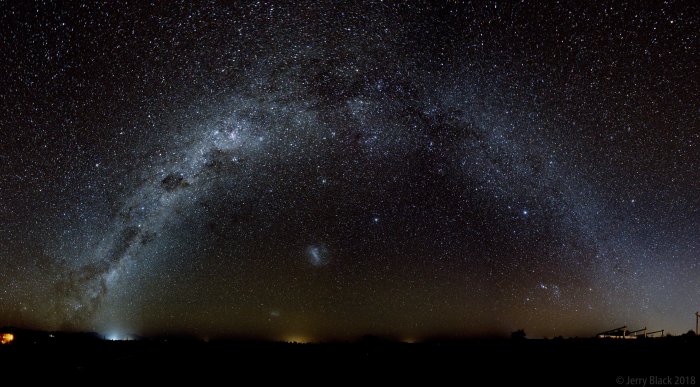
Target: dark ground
[567,362]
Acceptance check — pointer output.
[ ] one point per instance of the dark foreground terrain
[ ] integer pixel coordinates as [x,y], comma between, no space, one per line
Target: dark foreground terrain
[594,362]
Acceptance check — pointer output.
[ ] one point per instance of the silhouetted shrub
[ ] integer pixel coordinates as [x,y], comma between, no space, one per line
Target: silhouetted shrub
[518,335]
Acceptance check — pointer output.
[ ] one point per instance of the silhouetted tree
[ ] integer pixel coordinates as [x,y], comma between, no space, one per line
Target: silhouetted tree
[518,335]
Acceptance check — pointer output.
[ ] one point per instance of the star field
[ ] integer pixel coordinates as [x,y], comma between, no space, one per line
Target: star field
[326,171]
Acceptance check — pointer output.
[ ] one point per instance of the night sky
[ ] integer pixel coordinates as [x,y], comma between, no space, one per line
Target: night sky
[317,170]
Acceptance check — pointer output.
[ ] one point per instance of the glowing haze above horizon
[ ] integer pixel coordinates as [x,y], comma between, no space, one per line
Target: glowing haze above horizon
[318,170]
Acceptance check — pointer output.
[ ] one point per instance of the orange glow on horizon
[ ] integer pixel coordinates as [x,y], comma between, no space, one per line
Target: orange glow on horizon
[297,339]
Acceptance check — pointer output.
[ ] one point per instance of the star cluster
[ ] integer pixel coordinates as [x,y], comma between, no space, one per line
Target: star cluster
[330,170]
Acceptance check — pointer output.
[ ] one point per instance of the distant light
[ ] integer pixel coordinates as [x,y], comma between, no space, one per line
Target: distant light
[525,212]
[113,337]
[6,338]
